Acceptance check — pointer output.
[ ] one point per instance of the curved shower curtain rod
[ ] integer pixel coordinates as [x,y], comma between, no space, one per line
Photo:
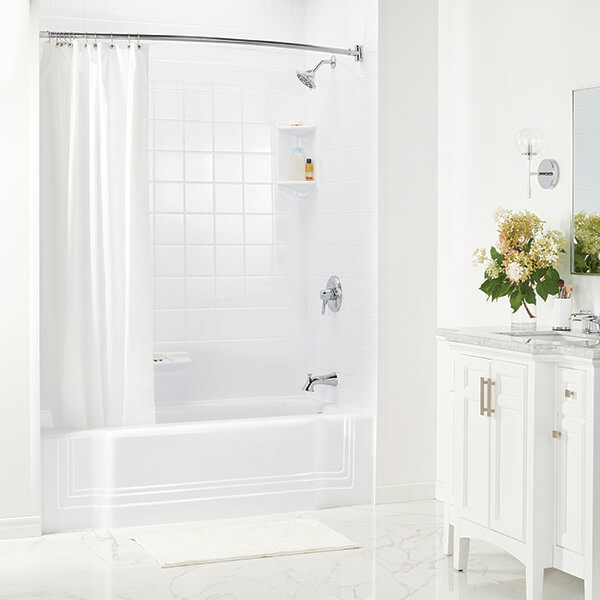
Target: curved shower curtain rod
[355,51]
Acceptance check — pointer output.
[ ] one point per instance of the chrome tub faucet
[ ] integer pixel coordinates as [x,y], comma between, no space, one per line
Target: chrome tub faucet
[314,380]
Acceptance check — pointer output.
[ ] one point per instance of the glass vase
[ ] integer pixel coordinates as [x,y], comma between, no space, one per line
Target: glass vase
[524,319]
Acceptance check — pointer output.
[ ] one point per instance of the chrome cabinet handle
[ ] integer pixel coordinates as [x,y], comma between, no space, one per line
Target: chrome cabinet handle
[556,434]
[490,410]
[482,382]
[569,393]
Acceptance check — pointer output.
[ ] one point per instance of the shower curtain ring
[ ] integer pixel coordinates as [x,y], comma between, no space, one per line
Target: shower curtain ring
[129,40]
[138,44]
[95,39]
[112,42]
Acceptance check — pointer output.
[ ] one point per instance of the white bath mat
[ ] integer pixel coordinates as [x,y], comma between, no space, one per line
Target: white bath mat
[236,539]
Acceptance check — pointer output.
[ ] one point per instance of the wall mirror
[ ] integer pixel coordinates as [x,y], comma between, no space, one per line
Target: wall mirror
[585,224]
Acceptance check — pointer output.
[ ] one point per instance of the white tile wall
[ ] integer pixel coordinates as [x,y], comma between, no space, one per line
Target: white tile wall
[217,229]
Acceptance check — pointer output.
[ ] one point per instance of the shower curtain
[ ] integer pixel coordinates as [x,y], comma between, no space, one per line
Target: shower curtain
[96,287]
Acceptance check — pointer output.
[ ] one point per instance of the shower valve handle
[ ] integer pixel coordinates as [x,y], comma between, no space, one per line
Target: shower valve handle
[332,295]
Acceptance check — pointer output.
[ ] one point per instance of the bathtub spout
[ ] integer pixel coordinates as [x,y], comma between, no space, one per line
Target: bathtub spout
[313,380]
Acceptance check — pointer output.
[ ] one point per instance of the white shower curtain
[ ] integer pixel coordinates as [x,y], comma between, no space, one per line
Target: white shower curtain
[96,287]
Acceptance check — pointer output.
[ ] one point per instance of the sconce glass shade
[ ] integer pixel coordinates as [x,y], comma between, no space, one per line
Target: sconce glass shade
[529,141]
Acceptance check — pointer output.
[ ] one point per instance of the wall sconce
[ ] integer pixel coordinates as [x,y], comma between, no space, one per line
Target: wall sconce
[529,142]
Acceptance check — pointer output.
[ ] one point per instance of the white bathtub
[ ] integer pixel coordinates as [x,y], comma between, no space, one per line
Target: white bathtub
[208,460]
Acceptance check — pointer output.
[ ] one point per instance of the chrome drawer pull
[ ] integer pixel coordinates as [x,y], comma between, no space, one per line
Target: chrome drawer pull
[556,434]
[569,394]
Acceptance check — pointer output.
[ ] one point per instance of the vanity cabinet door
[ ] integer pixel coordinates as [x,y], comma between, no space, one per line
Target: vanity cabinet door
[508,395]
[472,441]
[570,459]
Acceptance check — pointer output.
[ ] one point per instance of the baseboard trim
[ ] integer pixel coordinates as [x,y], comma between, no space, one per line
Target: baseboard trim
[19,527]
[404,492]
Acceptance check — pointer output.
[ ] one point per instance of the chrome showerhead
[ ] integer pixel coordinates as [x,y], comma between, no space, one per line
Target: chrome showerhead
[308,77]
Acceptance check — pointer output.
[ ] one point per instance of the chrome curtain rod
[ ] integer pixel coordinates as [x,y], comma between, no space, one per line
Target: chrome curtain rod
[355,51]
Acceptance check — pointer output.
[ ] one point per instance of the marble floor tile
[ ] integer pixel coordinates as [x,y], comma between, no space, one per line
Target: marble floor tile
[400,558]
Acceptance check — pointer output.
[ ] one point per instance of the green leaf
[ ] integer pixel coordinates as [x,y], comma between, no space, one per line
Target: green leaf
[516,299]
[542,290]
[496,255]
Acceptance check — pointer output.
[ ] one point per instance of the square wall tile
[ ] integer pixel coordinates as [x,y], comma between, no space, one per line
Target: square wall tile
[257,168]
[168,229]
[198,105]
[230,291]
[198,166]
[169,293]
[228,198]
[200,292]
[168,104]
[258,198]
[200,261]
[256,108]
[259,229]
[229,229]
[199,197]
[168,166]
[198,136]
[169,261]
[168,135]
[199,229]
[228,137]
[259,260]
[228,106]
[169,326]
[201,325]
[168,197]
[257,138]
[228,168]
[229,260]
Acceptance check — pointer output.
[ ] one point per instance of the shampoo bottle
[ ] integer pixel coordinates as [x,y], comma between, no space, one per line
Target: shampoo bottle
[297,165]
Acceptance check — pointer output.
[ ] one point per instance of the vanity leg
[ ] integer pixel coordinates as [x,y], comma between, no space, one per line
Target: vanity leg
[534,580]
[448,539]
[448,534]
[461,552]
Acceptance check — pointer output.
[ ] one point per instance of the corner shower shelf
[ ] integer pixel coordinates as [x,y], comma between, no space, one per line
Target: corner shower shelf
[300,131]
[302,189]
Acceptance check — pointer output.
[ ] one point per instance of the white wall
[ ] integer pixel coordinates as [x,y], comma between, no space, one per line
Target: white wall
[19,426]
[408,232]
[505,66]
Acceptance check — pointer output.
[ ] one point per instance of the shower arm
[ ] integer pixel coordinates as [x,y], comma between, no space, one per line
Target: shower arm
[355,51]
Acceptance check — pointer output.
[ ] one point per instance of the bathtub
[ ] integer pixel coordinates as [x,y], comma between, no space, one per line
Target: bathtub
[208,460]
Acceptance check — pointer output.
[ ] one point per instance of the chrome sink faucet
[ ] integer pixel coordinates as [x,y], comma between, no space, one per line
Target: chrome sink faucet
[590,321]
[313,380]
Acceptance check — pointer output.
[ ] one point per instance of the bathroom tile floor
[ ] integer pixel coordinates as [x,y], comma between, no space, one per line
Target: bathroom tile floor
[401,557]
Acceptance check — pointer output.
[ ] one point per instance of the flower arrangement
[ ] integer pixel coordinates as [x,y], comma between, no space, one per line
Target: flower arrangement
[586,243]
[524,261]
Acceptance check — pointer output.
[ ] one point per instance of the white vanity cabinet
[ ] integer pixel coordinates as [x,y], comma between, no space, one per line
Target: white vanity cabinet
[491,466]
[518,455]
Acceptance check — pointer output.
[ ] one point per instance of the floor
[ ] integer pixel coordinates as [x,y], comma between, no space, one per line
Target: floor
[401,557]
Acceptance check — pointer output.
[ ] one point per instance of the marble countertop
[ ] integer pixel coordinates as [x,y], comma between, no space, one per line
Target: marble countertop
[584,345]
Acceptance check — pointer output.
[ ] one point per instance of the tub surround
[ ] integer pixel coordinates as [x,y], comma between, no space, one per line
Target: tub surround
[518,433]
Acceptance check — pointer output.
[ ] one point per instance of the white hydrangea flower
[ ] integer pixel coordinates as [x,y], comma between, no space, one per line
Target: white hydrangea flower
[514,271]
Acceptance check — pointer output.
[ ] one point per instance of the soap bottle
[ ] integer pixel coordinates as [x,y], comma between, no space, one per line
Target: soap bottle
[309,170]
[298,161]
